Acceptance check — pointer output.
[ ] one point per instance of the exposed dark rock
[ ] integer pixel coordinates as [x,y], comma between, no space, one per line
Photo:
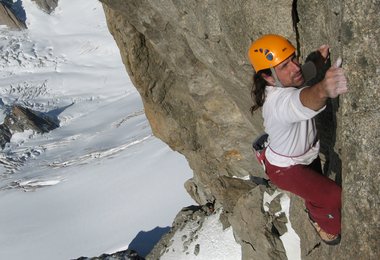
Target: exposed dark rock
[22,118]
[47,5]
[197,249]
[12,14]
[5,136]
[253,228]
[9,17]
[188,60]
[123,255]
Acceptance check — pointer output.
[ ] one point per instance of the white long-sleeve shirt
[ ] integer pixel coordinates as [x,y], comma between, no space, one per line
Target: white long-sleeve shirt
[290,126]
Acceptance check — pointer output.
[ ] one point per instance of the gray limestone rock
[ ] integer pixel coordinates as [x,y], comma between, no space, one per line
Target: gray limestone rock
[351,126]
[253,228]
[5,135]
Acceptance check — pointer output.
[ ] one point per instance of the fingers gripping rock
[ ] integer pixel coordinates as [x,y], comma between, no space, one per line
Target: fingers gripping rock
[335,82]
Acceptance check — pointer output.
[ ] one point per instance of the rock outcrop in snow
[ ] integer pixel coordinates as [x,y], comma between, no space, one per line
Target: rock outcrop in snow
[47,5]
[12,14]
[9,19]
[188,61]
[122,255]
[21,119]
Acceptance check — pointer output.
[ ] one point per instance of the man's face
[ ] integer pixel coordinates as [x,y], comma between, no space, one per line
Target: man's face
[289,72]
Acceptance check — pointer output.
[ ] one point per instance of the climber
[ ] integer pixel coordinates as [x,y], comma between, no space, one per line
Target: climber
[288,108]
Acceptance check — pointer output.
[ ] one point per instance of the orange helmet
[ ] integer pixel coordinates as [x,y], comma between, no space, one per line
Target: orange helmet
[269,51]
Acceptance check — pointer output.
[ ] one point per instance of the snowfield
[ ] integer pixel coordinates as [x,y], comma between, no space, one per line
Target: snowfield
[91,185]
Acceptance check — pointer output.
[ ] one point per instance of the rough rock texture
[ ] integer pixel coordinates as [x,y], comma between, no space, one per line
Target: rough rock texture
[190,219]
[9,19]
[123,255]
[22,118]
[47,5]
[261,242]
[188,61]
[353,30]
[5,135]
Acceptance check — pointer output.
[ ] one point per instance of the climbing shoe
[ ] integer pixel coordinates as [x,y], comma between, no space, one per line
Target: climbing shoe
[326,237]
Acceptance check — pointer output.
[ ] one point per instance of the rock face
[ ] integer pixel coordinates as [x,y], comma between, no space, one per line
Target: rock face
[190,219]
[8,18]
[188,61]
[22,118]
[123,255]
[352,29]
[47,5]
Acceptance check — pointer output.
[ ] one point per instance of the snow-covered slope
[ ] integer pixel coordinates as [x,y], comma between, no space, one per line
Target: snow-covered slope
[91,185]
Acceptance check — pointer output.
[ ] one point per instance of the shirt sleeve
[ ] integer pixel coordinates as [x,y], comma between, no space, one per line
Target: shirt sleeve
[289,108]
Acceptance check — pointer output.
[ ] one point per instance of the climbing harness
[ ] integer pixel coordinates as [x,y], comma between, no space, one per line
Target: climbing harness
[258,146]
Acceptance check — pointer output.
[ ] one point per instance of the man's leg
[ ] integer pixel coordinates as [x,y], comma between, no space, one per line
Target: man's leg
[322,195]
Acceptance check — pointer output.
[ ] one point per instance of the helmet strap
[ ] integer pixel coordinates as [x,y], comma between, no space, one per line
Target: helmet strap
[278,83]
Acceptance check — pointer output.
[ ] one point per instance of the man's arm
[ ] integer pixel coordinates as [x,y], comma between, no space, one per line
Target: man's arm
[333,84]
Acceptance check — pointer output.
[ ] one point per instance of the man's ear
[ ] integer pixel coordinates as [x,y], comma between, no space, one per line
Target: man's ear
[268,79]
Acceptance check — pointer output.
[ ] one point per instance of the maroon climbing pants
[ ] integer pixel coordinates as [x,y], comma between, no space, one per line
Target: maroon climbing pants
[322,195]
